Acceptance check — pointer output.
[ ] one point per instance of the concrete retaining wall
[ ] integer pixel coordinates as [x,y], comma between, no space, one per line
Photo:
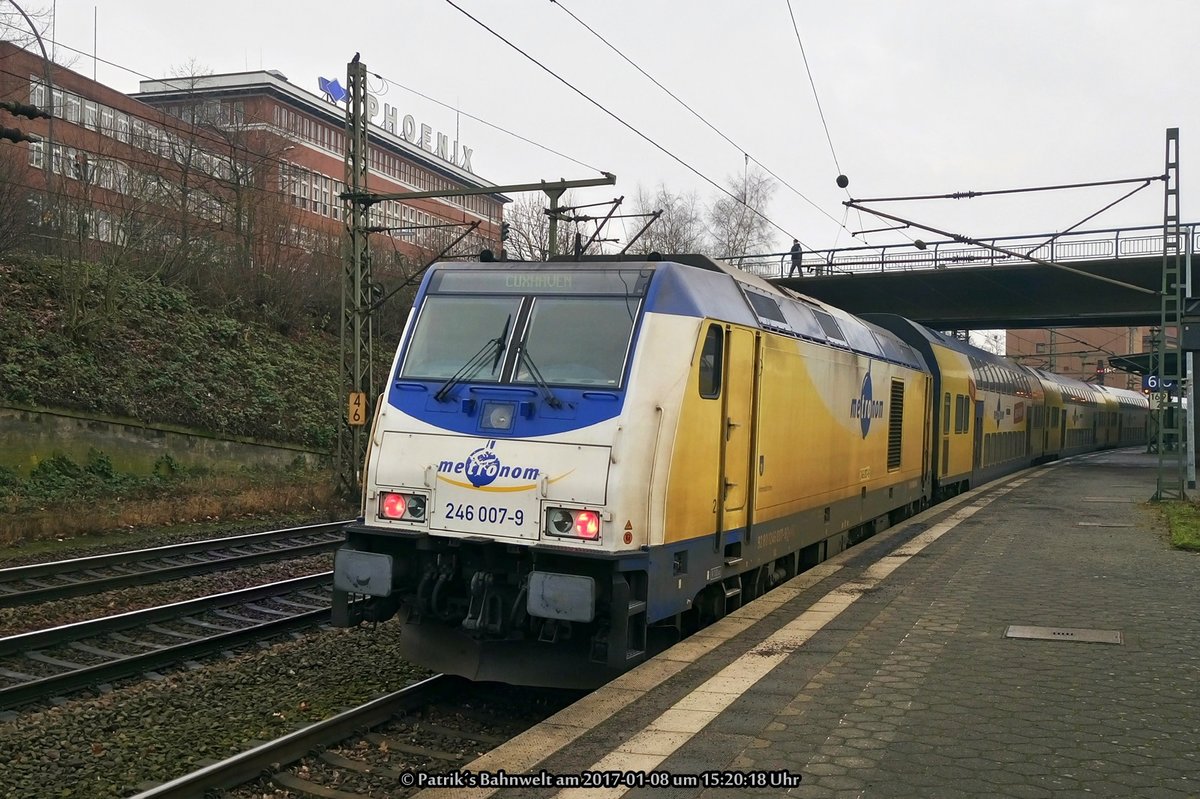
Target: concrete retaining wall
[29,435]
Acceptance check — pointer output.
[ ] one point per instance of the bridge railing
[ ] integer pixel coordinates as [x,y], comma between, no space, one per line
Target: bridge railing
[1093,245]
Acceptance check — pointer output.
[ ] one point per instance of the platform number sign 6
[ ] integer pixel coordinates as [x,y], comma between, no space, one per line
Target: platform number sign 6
[356,414]
[1155,384]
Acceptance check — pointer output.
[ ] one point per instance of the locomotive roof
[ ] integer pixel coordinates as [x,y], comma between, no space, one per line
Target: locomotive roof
[695,285]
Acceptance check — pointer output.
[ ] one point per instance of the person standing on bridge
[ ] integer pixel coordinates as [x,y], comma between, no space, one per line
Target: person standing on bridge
[796,258]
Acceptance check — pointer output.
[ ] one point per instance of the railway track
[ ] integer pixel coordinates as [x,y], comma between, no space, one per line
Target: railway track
[46,663]
[437,725]
[46,582]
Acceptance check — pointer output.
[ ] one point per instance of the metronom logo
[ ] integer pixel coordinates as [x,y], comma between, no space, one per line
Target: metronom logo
[482,467]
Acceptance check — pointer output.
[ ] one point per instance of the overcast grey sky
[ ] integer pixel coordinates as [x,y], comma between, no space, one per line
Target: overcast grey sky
[925,96]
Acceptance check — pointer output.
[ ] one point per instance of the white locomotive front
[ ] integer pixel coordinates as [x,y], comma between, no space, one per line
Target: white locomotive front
[491,480]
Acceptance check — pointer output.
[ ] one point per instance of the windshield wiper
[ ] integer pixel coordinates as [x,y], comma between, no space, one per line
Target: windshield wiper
[476,362]
[501,344]
[536,374]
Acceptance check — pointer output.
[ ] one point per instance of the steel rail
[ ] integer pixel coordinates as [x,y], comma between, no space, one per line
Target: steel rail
[62,569]
[23,693]
[267,757]
[55,636]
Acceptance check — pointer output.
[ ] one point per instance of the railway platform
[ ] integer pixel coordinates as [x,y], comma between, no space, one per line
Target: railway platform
[1034,637]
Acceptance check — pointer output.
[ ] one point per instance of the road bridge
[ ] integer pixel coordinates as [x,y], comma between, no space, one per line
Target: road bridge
[950,285]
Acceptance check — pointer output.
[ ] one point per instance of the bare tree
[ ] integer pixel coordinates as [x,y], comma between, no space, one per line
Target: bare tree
[680,228]
[16,212]
[738,224]
[529,229]
[190,198]
[126,229]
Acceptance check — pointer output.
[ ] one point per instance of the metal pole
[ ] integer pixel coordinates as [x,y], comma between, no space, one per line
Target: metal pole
[355,400]
[1189,376]
[552,247]
[1171,476]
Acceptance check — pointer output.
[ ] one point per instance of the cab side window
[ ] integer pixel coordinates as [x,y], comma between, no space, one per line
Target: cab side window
[710,362]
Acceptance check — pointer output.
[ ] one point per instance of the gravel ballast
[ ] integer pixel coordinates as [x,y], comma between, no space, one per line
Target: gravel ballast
[45,550]
[66,611]
[153,731]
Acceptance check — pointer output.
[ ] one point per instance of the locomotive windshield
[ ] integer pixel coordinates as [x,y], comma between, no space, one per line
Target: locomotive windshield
[577,341]
[453,331]
[530,328]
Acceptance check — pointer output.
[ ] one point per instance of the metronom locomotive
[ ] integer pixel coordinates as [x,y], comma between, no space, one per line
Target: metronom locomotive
[576,463]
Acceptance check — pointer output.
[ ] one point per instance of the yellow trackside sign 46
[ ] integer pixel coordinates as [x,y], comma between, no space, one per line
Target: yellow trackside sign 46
[356,414]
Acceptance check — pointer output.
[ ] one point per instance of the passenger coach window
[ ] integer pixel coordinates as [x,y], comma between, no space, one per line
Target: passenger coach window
[710,362]
[962,417]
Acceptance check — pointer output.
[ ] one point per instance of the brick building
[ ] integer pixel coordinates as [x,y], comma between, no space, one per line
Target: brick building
[1083,352]
[241,167]
[305,135]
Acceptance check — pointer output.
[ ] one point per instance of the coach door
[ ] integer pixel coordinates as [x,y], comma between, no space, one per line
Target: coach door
[737,439]
[977,457]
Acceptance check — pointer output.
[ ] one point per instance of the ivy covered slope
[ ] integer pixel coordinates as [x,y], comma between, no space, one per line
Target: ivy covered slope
[73,336]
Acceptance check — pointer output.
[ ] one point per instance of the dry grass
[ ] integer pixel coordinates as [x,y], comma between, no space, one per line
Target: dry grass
[192,501]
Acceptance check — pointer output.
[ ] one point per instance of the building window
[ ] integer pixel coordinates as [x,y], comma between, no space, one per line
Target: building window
[37,91]
[37,155]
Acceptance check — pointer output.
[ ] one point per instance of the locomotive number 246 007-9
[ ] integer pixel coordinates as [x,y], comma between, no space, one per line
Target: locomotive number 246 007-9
[488,514]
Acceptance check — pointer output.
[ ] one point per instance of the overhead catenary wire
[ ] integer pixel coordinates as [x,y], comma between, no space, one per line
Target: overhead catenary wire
[492,125]
[694,112]
[968,240]
[824,123]
[619,119]
[1093,215]
[813,84]
[967,195]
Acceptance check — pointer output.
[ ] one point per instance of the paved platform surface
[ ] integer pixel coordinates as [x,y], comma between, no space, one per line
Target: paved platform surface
[887,671]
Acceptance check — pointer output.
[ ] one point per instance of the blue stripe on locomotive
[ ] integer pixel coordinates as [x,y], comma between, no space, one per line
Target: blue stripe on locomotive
[674,289]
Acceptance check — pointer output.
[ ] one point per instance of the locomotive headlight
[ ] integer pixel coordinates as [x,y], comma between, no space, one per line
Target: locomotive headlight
[561,521]
[497,416]
[416,507]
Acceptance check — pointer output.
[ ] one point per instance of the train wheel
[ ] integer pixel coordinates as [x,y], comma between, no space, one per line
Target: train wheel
[754,584]
[710,605]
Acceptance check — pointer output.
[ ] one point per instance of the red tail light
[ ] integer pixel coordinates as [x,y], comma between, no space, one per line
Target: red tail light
[587,524]
[392,506]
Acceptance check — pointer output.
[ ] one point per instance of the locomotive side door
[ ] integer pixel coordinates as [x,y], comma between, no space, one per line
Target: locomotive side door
[737,432]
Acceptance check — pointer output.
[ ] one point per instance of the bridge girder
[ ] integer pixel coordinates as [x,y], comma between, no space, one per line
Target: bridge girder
[1003,296]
